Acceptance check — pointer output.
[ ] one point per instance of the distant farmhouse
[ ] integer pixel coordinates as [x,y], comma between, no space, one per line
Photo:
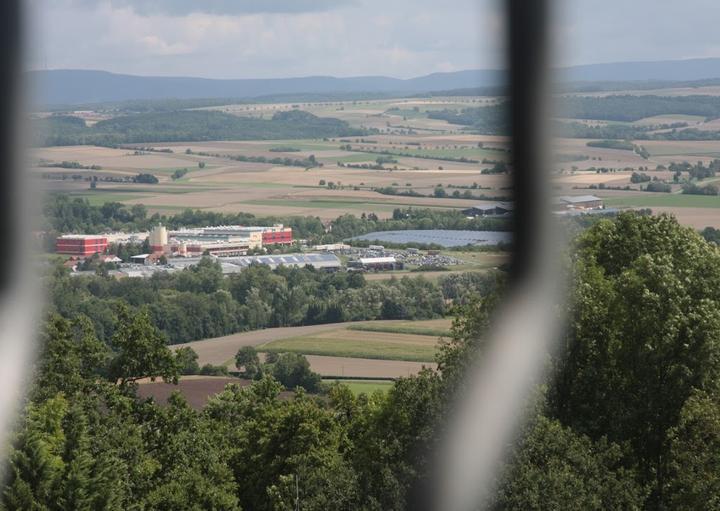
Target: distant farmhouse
[500,208]
[577,202]
[561,205]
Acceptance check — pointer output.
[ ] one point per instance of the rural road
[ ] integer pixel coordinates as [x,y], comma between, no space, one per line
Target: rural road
[220,350]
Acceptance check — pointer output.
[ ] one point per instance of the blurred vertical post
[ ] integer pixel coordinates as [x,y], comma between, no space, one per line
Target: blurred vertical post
[527,88]
[19,297]
[487,414]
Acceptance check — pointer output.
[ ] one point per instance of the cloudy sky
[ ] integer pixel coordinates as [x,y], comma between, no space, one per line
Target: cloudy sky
[401,38]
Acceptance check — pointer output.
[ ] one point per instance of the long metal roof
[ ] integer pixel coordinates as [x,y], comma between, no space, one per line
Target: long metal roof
[235,264]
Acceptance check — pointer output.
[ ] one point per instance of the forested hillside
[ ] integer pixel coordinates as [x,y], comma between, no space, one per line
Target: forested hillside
[635,107]
[198,302]
[187,125]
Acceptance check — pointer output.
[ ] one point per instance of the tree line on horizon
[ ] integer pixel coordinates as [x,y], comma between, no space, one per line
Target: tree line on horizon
[186,125]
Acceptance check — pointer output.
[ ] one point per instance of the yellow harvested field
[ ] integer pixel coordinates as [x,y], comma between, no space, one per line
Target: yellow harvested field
[678,150]
[699,218]
[74,153]
[114,158]
[363,367]
[587,178]
[613,158]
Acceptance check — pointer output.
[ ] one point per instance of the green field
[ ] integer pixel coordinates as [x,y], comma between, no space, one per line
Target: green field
[472,153]
[364,386]
[303,145]
[357,344]
[477,260]
[671,200]
[352,158]
[322,204]
[407,113]
[402,328]
[668,118]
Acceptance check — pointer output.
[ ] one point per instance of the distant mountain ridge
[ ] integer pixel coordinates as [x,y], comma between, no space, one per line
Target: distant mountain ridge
[663,70]
[69,87]
[80,86]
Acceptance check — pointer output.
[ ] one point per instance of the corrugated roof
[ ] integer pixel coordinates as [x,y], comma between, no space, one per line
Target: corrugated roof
[575,199]
[240,262]
[377,260]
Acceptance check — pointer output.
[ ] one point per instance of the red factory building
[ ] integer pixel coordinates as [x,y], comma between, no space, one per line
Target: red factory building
[277,235]
[81,245]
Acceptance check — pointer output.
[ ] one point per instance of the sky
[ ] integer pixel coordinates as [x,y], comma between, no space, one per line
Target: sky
[399,38]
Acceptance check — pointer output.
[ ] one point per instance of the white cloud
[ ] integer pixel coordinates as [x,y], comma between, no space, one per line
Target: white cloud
[592,31]
[273,38]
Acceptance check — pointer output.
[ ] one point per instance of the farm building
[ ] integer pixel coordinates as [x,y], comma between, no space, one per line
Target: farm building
[578,202]
[500,208]
[140,259]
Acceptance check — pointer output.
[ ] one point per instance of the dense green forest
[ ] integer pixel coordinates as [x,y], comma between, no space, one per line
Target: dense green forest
[486,120]
[623,145]
[628,417]
[187,125]
[631,108]
[198,302]
[630,132]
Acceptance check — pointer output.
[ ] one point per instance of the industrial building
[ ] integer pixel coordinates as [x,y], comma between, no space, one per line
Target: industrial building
[221,241]
[332,247]
[81,244]
[327,262]
[376,263]
[500,208]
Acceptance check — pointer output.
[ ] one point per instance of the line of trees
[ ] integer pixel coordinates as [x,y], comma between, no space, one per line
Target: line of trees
[199,302]
[307,163]
[629,108]
[186,125]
